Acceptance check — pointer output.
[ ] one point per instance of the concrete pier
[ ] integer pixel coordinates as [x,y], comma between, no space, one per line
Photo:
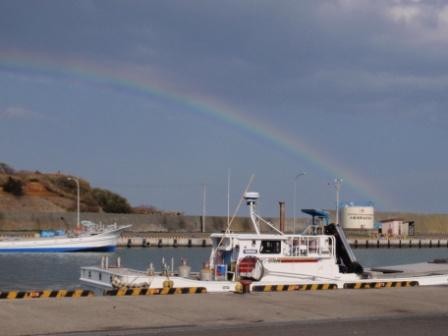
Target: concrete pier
[186,240]
[164,241]
[192,314]
[399,243]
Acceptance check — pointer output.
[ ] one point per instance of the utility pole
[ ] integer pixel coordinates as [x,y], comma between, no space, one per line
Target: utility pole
[294,200]
[78,222]
[204,205]
[337,185]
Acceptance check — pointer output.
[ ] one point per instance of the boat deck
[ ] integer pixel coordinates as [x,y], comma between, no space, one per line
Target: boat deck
[129,272]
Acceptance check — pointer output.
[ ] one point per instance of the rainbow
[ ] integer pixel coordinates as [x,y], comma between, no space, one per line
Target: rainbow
[129,80]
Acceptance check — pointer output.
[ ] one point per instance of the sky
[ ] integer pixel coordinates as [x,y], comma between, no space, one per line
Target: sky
[161,100]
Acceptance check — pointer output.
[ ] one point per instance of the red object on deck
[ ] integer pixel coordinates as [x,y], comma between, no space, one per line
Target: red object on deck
[247,264]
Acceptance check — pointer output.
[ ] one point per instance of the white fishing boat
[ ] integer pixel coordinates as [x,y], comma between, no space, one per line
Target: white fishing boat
[321,259]
[92,237]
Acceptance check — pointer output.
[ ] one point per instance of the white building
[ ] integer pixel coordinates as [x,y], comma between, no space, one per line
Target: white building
[397,227]
[357,217]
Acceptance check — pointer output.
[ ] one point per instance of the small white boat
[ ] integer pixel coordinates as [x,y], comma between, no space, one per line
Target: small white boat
[92,238]
[260,261]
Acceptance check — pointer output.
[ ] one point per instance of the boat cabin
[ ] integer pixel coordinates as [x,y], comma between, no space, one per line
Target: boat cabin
[228,250]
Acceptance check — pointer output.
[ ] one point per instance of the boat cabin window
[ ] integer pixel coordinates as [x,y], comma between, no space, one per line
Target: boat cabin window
[270,246]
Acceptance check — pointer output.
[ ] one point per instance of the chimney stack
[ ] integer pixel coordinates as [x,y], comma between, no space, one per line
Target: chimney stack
[282,216]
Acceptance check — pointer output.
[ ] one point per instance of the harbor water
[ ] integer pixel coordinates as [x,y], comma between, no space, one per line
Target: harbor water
[61,270]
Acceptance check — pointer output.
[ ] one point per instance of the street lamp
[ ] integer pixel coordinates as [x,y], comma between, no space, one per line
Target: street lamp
[294,200]
[337,184]
[77,200]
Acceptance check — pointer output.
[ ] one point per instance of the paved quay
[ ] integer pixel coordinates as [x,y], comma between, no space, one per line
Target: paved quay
[408,309]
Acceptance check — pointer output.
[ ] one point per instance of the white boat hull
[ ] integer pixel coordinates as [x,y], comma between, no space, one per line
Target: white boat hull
[105,241]
[119,277]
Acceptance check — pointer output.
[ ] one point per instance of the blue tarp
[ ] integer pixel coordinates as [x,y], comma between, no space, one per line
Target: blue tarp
[52,233]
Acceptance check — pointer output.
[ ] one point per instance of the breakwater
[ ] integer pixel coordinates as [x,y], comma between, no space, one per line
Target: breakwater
[172,241]
[26,221]
[179,240]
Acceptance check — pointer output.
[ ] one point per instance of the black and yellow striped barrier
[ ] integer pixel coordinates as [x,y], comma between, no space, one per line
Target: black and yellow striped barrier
[387,284]
[154,291]
[36,294]
[288,288]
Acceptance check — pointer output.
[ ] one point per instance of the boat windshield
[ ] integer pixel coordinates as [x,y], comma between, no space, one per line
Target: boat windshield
[312,245]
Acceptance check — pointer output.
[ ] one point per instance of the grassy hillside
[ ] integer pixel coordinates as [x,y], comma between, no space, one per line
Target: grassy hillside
[53,192]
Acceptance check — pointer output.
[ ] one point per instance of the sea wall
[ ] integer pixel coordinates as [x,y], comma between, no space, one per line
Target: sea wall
[29,221]
[425,224]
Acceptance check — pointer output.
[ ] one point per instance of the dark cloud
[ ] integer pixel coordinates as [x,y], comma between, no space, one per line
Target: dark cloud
[362,82]
[257,55]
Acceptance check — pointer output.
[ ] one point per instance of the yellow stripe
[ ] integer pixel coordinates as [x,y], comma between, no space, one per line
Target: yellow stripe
[76,293]
[369,285]
[12,295]
[46,293]
[61,293]
[289,288]
[164,291]
[79,292]
[121,291]
[168,283]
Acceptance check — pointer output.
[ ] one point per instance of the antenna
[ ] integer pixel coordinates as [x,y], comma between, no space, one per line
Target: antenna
[237,208]
[239,204]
